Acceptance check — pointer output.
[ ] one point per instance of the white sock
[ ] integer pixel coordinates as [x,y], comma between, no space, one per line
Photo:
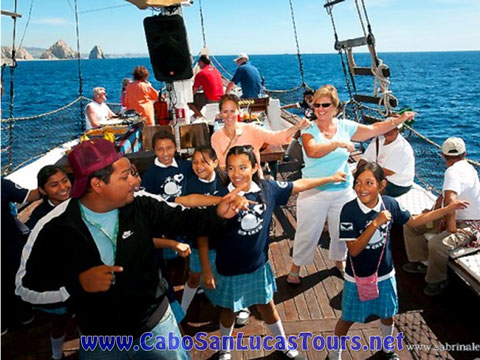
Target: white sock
[387,330]
[278,330]
[226,331]
[335,354]
[57,346]
[187,297]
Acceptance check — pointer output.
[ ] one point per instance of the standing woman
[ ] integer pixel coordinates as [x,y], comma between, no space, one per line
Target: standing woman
[140,95]
[326,147]
[235,133]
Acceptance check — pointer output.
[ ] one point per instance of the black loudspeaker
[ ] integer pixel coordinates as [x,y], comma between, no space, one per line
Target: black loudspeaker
[168,47]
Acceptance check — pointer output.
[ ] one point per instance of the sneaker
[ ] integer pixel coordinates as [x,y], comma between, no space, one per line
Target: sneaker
[293,354]
[4,331]
[390,355]
[225,355]
[435,289]
[242,318]
[415,268]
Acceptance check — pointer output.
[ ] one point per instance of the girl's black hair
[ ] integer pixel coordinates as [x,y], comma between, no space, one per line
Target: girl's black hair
[45,173]
[374,168]
[207,149]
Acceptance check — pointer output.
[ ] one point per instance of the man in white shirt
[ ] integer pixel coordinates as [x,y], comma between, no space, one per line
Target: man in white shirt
[461,181]
[395,155]
[97,110]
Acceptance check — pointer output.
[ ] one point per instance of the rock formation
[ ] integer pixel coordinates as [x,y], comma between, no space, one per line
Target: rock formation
[59,50]
[20,54]
[96,53]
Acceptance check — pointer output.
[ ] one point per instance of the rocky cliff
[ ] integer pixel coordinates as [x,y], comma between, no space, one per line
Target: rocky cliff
[21,54]
[59,50]
[96,53]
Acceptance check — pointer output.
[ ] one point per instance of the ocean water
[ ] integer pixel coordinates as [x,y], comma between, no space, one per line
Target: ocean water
[442,87]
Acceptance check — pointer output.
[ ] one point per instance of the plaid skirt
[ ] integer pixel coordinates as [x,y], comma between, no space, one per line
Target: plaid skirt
[238,292]
[196,265]
[385,306]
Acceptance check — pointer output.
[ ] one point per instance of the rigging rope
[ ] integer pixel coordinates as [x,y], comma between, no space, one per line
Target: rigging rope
[202,23]
[26,25]
[299,55]
[80,80]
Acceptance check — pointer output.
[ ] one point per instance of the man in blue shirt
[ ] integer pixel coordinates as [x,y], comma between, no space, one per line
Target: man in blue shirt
[248,77]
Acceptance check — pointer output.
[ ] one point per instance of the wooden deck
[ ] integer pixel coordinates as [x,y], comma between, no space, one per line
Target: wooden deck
[314,306]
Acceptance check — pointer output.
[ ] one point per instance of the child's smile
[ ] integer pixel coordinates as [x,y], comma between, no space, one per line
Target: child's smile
[367,188]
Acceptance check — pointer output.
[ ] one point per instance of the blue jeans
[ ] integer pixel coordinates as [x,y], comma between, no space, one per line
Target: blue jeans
[166,325]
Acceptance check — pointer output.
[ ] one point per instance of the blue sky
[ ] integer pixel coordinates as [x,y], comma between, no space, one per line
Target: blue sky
[255,27]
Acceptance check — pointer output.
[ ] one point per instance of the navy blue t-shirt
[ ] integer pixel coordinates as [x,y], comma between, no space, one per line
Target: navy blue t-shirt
[168,182]
[354,219]
[244,244]
[249,78]
[214,187]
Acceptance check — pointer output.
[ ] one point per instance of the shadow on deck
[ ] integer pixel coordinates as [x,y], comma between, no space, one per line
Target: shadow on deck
[426,323]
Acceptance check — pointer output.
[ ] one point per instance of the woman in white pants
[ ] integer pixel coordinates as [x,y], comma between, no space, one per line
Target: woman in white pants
[326,146]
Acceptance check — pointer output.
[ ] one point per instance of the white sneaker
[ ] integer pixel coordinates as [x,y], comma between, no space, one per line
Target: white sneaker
[225,355]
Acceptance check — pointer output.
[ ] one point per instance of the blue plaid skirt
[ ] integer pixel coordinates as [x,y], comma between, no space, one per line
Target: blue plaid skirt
[195,264]
[57,310]
[177,311]
[238,292]
[385,306]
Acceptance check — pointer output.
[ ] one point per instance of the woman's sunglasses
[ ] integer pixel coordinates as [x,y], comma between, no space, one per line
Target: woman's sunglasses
[323,105]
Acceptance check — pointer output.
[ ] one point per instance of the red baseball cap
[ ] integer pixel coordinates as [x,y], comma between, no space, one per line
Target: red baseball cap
[86,158]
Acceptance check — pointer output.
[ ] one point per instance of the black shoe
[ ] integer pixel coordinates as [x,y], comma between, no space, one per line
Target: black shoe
[390,356]
[435,289]
[415,268]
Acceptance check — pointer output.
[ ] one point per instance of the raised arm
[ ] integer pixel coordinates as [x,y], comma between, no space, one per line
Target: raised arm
[307,184]
[357,246]
[365,132]
[315,150]
[421,219]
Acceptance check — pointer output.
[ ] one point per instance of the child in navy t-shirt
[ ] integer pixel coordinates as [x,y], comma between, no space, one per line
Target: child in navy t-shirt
[365,224]
[244,276]
[167,176]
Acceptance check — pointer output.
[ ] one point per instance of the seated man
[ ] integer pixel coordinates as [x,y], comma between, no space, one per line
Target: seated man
[460,182]
[210,80]
[248,77]
[97,110]
[305,105]
[395,155]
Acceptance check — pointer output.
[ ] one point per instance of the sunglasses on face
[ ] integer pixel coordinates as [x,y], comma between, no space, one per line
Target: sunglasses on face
[323,105]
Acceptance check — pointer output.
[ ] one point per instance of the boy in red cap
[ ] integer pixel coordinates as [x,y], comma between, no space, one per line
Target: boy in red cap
[95,252]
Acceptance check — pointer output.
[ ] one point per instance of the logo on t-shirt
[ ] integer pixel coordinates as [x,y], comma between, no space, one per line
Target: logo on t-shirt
[378,238]
[251,221]
[346,226]
[172,186]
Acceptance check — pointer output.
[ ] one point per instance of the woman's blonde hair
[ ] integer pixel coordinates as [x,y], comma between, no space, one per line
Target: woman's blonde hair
[327,90]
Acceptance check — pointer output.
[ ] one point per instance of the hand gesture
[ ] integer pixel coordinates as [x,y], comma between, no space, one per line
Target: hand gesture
[98,278]
[339,176]
[302,124]
[182,249]
[382,218]
[208,280]
[347,145]
[458,205]
[406,116]
[232,203]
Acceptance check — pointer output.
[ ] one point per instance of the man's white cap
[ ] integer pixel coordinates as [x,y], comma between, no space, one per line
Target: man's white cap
[241,56]
[453,146]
